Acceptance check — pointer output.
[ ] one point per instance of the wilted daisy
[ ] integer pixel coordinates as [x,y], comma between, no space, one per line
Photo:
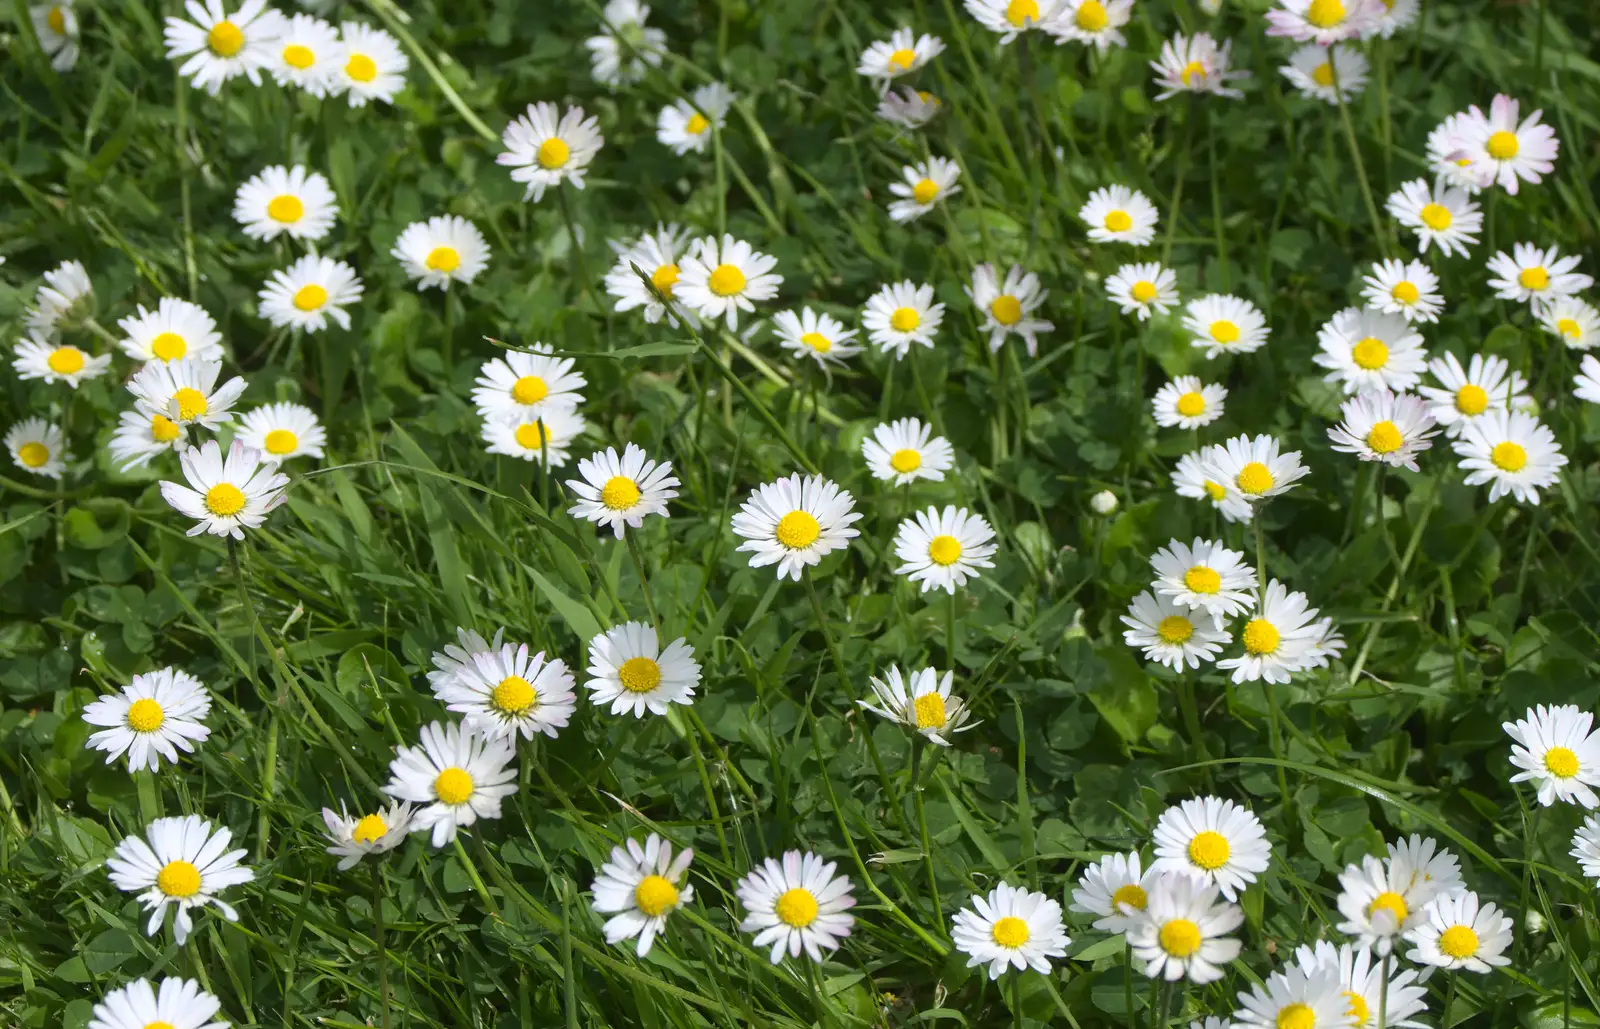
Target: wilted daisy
[1168,633]
[456,775]
[925,184]
[922,702]
[617,492]
[351,839]
[1509,151]
[1115,890]
[908,107]
[1008,306]
[181,863]
[185,391]
[1183,933]
[1011,17]
[718,280]
[1586,847]
[1196,64]
[545,147]
[141,437]
[1382,426]
[1142,288]
[65,290]
[371,65]
[1380,901]
[1329,74]
[546,439]
[1253,468]
[291,201]
[943,549]
[1117,214]
[1296,998]
[639,887]
[1204,575]
[309,292]
[1281,631]
[901,314]
[1192,479]
[794,522]
[57,28]
[1536,276]
[181,1004]
[1459,933]
[1558,752]
[1439,214]
[306,54]
[156,715]
[1188,403]
[1367,349]
[1406,288]
[1587,382]
[1324,22]
[686,127]
[627,46]
[521,386]
[1225,324]
[1010,928]
[903,53]
[1214,840]
[504,691]
[632,672]
[1487,384]
[444,249]
[1512,451]
[37,446]
[905,450]
[1574,322]
[656,254]
[281,431]
[820,337]
[221,46]
[57,362]
[175,329]
[796,905]
[225,496]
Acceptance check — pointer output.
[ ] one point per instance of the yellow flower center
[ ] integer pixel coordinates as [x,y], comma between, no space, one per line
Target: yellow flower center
[1358,1008]
[33,454]
[797,529]
[1010,932]
[163,429]
[1297,1016]
[1132,895]
[1191,405]
[1534,278]
[726,280]
[655,896]
[444,259]
[1569,327]
[903,59]
[1144,291]
[1180,937]
[696,124]
[924,191]
[1007,309]
[1503,146]
[1254,478]
[927,97]
[1175,629]
[664,278]
[944,550]
[178,879]
[1371,353]
[65,360]
[297,56]
[1209,850]
[1322,74]
[57,20]
[453,786]
[1405,292]
[530,389]
[159,1025]
[817,341]
[1201,579]
[905,461]
[1260,637]
[930,711]
[145,715]
[797,908]
[553,153]
[639,675]
[1019,12]
[513,695]
[1325,14]
[225,39]
[1561,762]
[286,208]
[1472,399]
[1224,331]
[1508,456]
[361,68]
[1436,217]
[619,493]
[309,298]
[370,829]
[1459,941]
[224,499]
[1392,903]
[1091,16]
[1119,221]
[1190,70]
[905,319]
[1385,438]
[191,403]
[1215,490]
[281,441]
[169,346]
[532,435]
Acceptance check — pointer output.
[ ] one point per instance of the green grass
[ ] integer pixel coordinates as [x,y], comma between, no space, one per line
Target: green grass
[314,634]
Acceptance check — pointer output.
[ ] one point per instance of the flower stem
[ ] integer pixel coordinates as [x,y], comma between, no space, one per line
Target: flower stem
[1379,236]
[377,940]
[644,582]
[1383,992]
[918,746]
[472,873]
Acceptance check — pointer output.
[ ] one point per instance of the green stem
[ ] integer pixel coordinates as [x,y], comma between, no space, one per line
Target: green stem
[711,797]
[378,942]
[393,20]
[1216,200]
[472,874]
[1016,999]
[1378,233]
[644,581]
[1177,184]
[1383,992]
[1127,980]
[917,748]
[950,631]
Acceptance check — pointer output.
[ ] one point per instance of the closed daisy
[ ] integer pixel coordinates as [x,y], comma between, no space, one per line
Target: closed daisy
[1368,349]
[1196,64]
[1572,321]
[1330,74]
[718,280]
[1253,469]
[923,185]
[1513,452]
[286,201]
[1296,998]
[1010,928]
[182,863]
[1188,403]
[1169,633]
[456,775]
[909,108]
[1586,847]
[351,839]
[686,127]
[281,431]
[174,330]
[922,702]
[1510,151]
[1214,840]
[656,254]
[1225,324]
[504,691]
[1536,276]
[818,337]
[796,905]
[442,250]
[1204,575]
[1191,478]
[185,391]
[626,46]
[1586,384]
[225,496]
[1461,934]
[1117,214]
[1140,289]
[310,292]
[1279,636]
[141,437]
[639,887]
[1115,891]
[905,450]
[66,291]
[1008,306]
[1440,214]
[903,53]
[1009,18]
[1558,751]
[1382,426]
[306,54]
[56,362]
[371,66]
[156,715]
[1096,23]
[219,46]
[1406,288]
[545,147]
[56,26]
[900,315]
[632,672]
[548,439]
[180,1004]
[1183,933]
[1324,22]
[794,522]
[1463,395]
[37,446]
[522,385]
[620,492]
[943,549]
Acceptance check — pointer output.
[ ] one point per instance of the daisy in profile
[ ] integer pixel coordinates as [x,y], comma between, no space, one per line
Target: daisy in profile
[180,1003]
[309,293]
[1115,891]
[631,671]
[1204,575]
[182,863]
[371,65]
[1213,840]
[504,692]
[794,522]
[37,446]
[548,439]
[1486,384]
[909,108]
[1331,74]
[1382,426]
[685,126]
[523,385]
[141,437]
[1008,306]
[185,391]
[1192,479]
[718,280]
[281,431]
[1295,997]
[1512,451]
[1557,749]
[1117,214]
[639,887]
[1324,22]
[351,839]
[1167,632]
[52,362]
[902,54]
[286,201]
[1253,468]
[220,46]
[545,147]
[1366,349]
[156,715]
[1327,644]
[1572,321]
[1140,289]
[1195,64]
[1281,632]
[1010,928]
[306,55]
[1010,18]
[1450,160]
[1586,847]
[1536,276]
[1096,23]
[819,337]
[1440,214]
[455,775]
[925,184]
[943,549]
[65,292]
[1183,931]
[56,26]
[1409,289]
[1461,934]
[442,250]
[922,702]
[900,315]
[620,492]
[1225,324]
[626,46]
[798,904]
[1188,403]
[1586,384]
[656,255]
[905,450]
[456,659]
[1397,15]
[1509,151]
[225,496]
[175,329]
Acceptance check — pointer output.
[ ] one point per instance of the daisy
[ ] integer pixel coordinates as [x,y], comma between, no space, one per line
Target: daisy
[1327,644]
[1510,151]
[1188,403]
[1214,840]
[184,864]
[175,329]
[351,839]
[794,522]
[309,292]
[1205,575]
[1574,322]
[1451,161]
[523,385]
[457,658]
[503,692]
[902,54]
[57,28]
[719,280]
[1586,847]
[1296,998]
[1141,288]
[819,337]
[797,905]
[185,391]
[456,775]
[1195,64]
[1330,74]
[156,715]
[36,359]
[371,65]
[639,887]
[1167,632]
[1382,426]
[1253,469]
[222,46]
[1460,934]
[444,249]
[1183,933]
[181,1004]
[1114,889]
[545,147]
[1558,752]
[37,446]
[1008,306]
[627,46]
[1379,906]
[1406,288]
[903,451]
[1191,479]
[1103,503]
[1396,15]
[1010,928]
[1324,22]
[900,315]
[925,185]
[305,54]
[1281,631]
[632,672]
[225,496]
[1225,324]
[684,126]
[1423,868]
[922,702]
[1117,214]
[1438,214]
[281,431]
[656,255]
[141,437]
[65,287]
[1011,17]
[1368,349]
[617,492]
[1091,22]
[1536,276]
[280,200]
[1587,382]
[1487,384]
[546,439]
[908,107]
[943,549]
[1513,452]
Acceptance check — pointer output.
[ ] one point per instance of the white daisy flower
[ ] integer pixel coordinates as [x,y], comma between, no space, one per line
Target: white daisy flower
[1314,70]
[1281,632]
[1296,998]
[639,887]
[657,255]
[457,658]
[65,288]
[1225,324]
[523,385]
[1115,890]
[1183,933]
[37,446]
[925,184]
[1382,426]
[798,904]
[718,280]
[943,549]
[908,108]
[222,46]
[1253,468]
[1512,451]
[175,329]
[309,292]
[306,54]
[1205,575]
[1487,384]
[180,863]
[1439,214]
[1587,382]
[1195,64]
[1140,288]
[627,46]
[632,672]
[1214,840]
[1103,503]
[156,715]
[181,1004]
[902,54]
[57,362]
[1191,479]
[444,249]
[1096,23]
[56,25]
[1509,150]
[618,492]
[546,439]
[1406,288]
[225,496]
[351,839]
[902,314]
[1168,633]
[185,391]
[286,201]
[1586,847]
[503,692]
[819,337]
[1188,403]
[685,126]
[905,450]
[1010,928]
[1397,15]
[1324,22]
[1558,752]
[456,775]
[922,702]
[1450,160]
[281,431]
[1008,306]
[1458,933]
[1117,214]
[1529,274]
[794,522]
[1380,902]
[1328,643]
[1012,17]
[371,65]
[142,437]
[1423,868]
[1368,349]
[1574,322]
[545,147]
